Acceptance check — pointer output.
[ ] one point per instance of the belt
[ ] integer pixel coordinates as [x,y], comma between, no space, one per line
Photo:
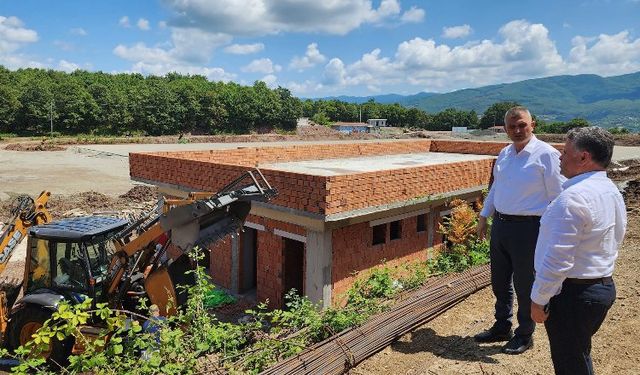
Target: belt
[607,280]
[505,217]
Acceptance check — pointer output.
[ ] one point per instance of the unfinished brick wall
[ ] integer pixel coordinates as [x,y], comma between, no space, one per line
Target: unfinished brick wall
[467,147]
[320,194]
[220,262]
[270,260]
[253,156]
[353,252]
[360,190]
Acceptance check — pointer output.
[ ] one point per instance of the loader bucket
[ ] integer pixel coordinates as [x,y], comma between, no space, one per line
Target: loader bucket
[161,291]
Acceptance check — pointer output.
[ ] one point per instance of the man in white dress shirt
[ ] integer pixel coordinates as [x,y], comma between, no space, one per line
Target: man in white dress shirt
[526,179]
[580,233]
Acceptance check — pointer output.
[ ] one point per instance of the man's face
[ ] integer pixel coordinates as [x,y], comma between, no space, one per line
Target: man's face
[571,160]
[519,128]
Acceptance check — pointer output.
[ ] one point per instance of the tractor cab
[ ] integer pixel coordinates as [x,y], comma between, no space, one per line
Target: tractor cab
[70,257]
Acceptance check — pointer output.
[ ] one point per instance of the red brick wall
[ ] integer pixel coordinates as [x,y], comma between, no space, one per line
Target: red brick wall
[467,147]
[269,263]
[350,192]
[210,170]
[252,156]
[220,262]
[353,252]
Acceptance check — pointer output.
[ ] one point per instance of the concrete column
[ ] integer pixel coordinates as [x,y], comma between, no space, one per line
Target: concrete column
[235,263]
[318,264]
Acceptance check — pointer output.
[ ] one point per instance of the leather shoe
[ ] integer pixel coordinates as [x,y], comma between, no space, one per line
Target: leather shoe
[493,335]
[518,345]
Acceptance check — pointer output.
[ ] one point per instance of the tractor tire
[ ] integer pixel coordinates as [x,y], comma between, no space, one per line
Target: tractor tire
[25,322]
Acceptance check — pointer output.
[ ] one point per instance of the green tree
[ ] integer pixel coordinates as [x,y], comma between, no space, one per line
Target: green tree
[494,115]
[290,109]
[75,107]
[575,123]
[9,107]
[36,98]
[451,117]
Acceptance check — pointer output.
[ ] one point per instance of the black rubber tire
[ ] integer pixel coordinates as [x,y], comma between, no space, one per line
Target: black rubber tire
[28,319]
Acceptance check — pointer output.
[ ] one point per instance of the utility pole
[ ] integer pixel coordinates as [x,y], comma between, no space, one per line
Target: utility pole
[360,110]
[51,117]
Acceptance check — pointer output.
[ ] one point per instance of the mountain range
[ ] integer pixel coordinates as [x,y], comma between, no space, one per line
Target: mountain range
[604,101]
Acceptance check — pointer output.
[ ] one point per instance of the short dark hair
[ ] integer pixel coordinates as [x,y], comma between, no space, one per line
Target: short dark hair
[594,140]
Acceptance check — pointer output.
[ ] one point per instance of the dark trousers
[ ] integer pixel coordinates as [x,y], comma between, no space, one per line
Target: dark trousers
[574,316]
[513,244]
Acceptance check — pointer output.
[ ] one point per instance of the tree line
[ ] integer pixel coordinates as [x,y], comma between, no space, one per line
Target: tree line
[119,104]
[82,102]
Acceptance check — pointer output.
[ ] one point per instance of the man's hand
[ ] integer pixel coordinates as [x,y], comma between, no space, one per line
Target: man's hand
[537,313]
[482,227]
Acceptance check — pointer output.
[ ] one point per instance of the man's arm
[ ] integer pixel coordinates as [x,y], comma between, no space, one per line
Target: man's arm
[487,210]
[553,180]
[562,231]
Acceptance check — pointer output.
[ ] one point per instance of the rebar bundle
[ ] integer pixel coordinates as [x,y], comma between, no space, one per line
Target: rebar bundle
[345,350]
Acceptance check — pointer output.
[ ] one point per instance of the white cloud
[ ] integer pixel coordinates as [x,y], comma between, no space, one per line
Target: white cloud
[605,55]
[78,31]
[311,57]
[13,35]
[262,66]
[270,80]
[162,24]
[67,66]
[334,73]
[124,21]
[264,17]
[244,49]
[456,32]
[213,74]
[387,9]
[523,50]
[413,15]
[143,24]
[188,52]
[304,88]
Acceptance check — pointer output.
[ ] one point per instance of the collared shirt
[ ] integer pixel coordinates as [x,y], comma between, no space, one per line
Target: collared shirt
[525,182]
[579,234]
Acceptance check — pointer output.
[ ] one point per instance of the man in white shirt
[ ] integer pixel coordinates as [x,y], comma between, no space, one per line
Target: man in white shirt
[580,233]
[526,179]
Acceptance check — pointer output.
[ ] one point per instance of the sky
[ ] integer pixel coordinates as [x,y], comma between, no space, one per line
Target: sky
[319,48]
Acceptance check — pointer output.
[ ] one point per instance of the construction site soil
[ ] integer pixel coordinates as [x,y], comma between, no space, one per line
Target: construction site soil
[445,345]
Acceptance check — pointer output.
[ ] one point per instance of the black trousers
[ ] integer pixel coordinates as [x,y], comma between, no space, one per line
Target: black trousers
[513,244]
[575,315]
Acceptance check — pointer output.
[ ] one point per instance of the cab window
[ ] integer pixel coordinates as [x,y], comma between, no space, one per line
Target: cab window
[70,269]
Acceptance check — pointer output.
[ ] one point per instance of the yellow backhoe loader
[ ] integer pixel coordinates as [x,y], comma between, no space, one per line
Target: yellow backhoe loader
[110,259]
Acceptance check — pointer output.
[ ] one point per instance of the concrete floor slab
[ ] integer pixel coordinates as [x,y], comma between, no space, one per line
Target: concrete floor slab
[344,166]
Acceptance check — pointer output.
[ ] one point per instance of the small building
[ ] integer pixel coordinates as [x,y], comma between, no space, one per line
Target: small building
[342,207]
[377,122]
[497,129]
[459,129]
[351,127]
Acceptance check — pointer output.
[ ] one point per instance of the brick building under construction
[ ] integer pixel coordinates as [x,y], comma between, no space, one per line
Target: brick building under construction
[342,207]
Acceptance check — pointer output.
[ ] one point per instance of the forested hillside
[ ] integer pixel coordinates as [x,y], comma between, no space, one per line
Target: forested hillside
[608,102]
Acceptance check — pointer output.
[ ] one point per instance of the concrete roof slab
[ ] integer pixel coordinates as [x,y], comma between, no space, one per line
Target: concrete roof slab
[346,166]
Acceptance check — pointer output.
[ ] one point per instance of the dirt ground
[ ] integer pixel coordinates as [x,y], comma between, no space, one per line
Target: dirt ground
[442,346]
